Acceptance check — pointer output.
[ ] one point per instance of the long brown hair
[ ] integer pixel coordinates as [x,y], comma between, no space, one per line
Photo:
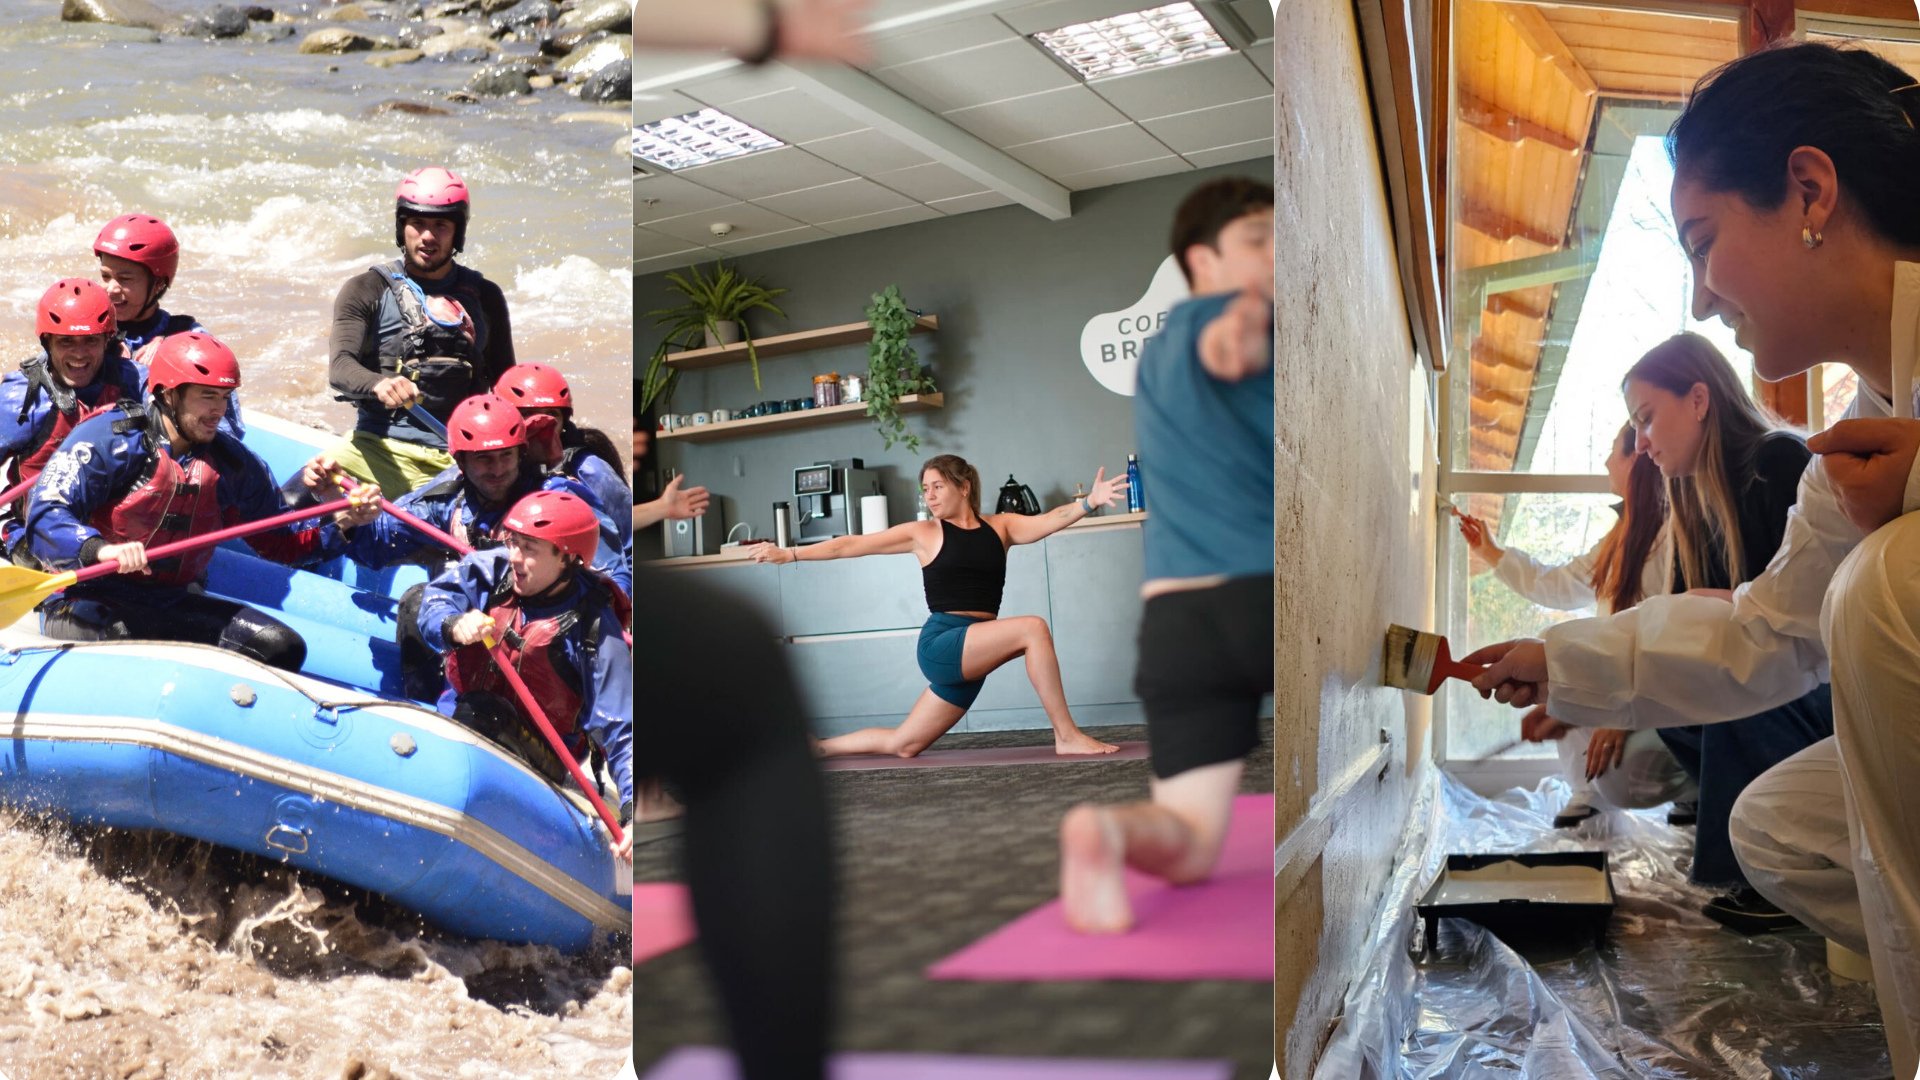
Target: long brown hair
[1620,570]
[1706,521]
[954,470]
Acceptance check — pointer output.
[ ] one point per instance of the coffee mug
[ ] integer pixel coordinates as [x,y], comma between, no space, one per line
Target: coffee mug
[699,419]
[669,422]
[719,416]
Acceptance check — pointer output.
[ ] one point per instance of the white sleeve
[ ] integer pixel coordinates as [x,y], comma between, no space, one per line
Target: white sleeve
[1564,588]
[1677,660]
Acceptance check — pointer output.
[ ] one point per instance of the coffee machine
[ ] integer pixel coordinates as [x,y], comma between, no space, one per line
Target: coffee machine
[828,494]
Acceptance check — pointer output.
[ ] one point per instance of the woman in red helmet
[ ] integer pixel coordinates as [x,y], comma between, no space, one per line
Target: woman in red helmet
[79,372]
[578,452]
[392,346]
[144,474]
[561,622]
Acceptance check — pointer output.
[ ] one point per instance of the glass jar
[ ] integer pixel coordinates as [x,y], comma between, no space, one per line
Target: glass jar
[851,388]
[826,390]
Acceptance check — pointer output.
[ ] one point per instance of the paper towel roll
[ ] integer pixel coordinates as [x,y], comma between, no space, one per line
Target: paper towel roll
[873,513]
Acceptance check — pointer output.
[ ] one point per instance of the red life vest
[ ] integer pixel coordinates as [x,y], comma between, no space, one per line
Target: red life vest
[52,429]
[166,502]
[533,648]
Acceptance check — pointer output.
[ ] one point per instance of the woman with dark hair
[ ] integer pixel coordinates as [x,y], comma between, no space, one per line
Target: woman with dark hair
[963,563]
[1793,199]
[1607,767]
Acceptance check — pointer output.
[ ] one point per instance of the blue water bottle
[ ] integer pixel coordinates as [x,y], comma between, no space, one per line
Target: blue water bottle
[1136,500]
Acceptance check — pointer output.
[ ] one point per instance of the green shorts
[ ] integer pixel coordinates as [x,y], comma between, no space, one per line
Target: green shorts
[396,465]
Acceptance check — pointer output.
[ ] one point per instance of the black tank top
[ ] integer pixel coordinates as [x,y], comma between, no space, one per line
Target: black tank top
[970,571]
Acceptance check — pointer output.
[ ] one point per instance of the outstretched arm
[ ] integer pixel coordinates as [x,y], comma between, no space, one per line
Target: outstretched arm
[902,539]
[1030,529]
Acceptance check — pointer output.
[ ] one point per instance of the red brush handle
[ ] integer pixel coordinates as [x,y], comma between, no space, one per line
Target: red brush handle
[101,569]
[1446,667]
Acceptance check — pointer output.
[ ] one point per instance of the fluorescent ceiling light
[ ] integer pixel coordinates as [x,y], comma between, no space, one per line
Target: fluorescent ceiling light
[1137,41]
[681,142]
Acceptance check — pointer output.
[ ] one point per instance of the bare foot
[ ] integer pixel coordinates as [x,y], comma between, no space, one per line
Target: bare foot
[1081,743]
[1093,893]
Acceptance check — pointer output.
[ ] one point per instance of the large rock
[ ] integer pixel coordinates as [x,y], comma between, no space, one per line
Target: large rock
[396,56]
[343,13]
[413,34]
[502,80]
[221,22]
[258,13]
[616,15]
[445,44]
[562,42]
[138,13]
[611,83]
[270,32]
[526,13]
[335,41]
[590,58]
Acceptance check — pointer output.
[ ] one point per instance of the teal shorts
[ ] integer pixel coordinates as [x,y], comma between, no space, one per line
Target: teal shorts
[943,640]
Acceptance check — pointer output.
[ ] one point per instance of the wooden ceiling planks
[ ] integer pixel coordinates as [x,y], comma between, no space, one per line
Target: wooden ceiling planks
[1641,55]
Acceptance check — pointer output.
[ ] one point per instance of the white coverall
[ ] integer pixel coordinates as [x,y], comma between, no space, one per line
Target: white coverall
[1676,660]
[1648,774]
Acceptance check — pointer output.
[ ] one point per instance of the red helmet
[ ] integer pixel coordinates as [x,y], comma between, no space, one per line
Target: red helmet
[485,422]
[560,517]
[432,192]
[75,307]
[193,359]
[534,386]
[143,238]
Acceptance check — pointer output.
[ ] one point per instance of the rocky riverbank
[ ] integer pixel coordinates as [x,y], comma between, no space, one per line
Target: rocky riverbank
[583,48]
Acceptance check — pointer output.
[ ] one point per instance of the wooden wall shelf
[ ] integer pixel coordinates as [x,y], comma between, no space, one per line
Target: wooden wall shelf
[784,344]
[759,425]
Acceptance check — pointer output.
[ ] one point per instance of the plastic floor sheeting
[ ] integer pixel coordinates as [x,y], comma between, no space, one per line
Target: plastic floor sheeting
[1670,995]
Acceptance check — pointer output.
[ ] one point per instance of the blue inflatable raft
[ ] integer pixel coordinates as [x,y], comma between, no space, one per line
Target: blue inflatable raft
[329,770]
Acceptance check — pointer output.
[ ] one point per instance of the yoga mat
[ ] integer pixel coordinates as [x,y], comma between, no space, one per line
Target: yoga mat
[1219,929]
[662,920]
[1003,755]
[707,1063]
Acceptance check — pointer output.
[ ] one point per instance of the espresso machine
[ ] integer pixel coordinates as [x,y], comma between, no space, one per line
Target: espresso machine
[828,495]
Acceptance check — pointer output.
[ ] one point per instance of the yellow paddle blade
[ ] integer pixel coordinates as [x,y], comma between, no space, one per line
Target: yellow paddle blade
[21,589]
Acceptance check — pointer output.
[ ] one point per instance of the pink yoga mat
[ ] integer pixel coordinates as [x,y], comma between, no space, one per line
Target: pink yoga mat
[707,1063]
[1219,929]
[1004,755]
[662,920]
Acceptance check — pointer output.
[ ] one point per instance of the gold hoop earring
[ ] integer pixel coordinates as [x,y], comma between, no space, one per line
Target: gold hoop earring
[1809,237]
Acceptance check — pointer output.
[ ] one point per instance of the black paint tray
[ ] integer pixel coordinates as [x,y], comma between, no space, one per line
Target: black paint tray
[1522,897]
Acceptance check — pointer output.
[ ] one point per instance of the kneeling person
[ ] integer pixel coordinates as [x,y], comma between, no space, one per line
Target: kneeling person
[153,473]
[560,621]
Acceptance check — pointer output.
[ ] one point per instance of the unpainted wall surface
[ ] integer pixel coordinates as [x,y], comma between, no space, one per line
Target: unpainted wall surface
[1354,521]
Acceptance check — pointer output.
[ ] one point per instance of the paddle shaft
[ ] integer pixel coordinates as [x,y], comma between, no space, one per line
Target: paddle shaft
[426,418]
[101,569]
[14,492]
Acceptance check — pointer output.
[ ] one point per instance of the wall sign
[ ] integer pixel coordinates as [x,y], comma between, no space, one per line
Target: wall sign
[1110,343]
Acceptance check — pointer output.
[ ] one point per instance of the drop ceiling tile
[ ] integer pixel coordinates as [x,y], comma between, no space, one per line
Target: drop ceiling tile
[1120,174]
[926,183]
[793,117]
[867,152]
[770,172]
[672,262]
[738,84]
[984,200]
[831,202]
[1196,84]
[924,44]
[1045,115]
[978,75]
[660,104]
[906,215]
[1222,125]
[648,244]
[1222,155]
[769,241]
[1089,150]
[1054,14]
[747,220]
[672,197]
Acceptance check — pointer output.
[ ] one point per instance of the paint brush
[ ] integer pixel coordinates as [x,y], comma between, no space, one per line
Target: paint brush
[1419,661]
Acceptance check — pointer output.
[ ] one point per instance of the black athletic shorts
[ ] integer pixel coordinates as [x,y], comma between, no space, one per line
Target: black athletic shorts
[1206,660]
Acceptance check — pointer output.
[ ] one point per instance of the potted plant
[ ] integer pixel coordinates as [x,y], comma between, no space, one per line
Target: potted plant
[713,312]
[893,368]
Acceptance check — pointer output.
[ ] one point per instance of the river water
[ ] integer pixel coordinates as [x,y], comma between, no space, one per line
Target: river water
[141,956]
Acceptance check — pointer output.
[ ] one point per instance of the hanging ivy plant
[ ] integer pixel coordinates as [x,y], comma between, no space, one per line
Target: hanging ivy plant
[893,368]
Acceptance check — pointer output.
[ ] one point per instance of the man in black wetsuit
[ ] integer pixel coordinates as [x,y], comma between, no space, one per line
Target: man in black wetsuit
[421,330]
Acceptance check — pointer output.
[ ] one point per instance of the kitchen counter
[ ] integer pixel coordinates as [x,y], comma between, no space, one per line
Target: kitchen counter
[745,553]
